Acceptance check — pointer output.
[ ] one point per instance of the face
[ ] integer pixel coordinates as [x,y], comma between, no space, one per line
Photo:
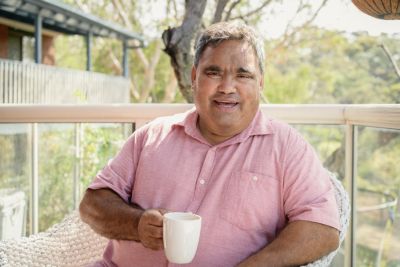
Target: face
[226,86]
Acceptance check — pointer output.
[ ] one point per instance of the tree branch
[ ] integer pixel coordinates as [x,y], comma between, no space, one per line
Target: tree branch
[149,75]
[218,12]
[173,4]
[170,89]
[133,89]
[179,41]
[115,63]
[229,13]
[122,14]
[389,55]
[288,37]
[254,11]
[127,23]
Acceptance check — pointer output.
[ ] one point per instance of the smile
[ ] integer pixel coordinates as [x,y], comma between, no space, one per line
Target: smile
[226,105]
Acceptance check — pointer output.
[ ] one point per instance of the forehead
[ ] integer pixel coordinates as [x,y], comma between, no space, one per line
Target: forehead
[229,52]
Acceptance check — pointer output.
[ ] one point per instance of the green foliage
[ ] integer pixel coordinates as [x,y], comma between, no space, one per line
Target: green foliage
[99,145]
[56,172]
[57,163]
[365,256]
[324,138]
[70,52]
[317,66]
[294,84]
[379,152]
[332,67]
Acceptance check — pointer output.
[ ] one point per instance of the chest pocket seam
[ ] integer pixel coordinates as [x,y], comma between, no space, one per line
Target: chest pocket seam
[251,201]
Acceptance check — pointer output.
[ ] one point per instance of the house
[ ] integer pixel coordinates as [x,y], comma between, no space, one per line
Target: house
[28,73]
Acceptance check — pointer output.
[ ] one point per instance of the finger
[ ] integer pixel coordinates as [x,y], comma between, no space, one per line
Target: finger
[158,244]
[154,231]
[153,243]
[163,211]
[155,218]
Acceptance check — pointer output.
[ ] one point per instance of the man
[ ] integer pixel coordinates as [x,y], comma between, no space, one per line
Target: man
[264,197]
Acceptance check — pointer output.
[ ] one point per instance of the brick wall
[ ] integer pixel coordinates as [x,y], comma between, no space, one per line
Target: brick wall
[48,51]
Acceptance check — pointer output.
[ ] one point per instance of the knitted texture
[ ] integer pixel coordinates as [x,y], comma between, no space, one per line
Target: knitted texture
[69,243]
[73,243]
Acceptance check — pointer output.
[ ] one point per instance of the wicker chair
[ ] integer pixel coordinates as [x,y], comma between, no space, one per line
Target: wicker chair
[73,243]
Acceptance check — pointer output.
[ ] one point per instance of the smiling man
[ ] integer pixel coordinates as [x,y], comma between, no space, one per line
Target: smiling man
[227,87]
[264,197]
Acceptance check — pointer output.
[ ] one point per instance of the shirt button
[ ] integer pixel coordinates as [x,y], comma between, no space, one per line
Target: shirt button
[202,181]
[255,178]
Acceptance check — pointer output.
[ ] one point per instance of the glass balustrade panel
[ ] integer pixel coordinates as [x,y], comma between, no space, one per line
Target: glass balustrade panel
[378,190]
[15,173]
[329,143]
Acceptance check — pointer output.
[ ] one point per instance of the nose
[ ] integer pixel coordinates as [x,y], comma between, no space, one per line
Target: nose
[227,85]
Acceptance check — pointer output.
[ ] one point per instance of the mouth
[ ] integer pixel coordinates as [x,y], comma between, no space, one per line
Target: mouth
[226,105]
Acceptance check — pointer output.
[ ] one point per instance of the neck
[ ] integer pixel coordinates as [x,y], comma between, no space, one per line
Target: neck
[215,137]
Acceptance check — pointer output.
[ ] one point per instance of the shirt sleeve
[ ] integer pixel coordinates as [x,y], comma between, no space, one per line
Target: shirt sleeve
[119,173]
[308,191]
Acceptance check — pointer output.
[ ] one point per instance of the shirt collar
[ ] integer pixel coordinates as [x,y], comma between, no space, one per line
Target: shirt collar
[260,125]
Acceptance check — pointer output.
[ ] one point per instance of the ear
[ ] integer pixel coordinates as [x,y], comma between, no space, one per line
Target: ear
[193,74]
[261,83]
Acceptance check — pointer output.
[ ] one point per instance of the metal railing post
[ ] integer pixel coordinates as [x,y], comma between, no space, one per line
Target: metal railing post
[77,165]
[38,38]
[89,40]
[34,203]
[351,185]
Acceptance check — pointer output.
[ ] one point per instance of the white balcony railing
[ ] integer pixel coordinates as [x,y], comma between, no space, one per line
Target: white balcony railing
[349,116]
[37,83]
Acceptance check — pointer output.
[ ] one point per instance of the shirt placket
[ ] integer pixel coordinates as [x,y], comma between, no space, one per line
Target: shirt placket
[201,185]
[203,180]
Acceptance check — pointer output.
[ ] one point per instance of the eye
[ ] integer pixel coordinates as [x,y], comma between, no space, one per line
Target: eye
[213,73]
[245,76]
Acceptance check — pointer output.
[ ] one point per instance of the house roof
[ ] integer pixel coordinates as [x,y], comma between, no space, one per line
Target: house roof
[60,17]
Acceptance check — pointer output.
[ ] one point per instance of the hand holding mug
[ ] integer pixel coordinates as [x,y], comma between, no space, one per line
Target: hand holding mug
[150,228]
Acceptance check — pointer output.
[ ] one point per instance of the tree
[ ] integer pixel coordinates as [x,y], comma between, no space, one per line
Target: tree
[107,53]
[179,40]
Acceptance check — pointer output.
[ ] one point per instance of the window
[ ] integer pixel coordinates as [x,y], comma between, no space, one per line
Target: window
[21,46]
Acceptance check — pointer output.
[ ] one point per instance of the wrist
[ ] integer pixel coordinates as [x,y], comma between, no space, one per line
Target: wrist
[137,215]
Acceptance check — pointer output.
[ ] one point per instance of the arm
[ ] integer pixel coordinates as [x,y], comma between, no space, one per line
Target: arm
[110,216]
[300,242]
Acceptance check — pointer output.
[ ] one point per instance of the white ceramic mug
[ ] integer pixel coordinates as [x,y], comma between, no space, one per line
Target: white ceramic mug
[181,233]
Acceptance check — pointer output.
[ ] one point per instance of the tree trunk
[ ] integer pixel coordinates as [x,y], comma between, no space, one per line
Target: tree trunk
[170,89]
[179,42]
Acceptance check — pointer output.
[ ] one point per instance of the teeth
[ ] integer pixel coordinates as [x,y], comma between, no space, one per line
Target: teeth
[226,104]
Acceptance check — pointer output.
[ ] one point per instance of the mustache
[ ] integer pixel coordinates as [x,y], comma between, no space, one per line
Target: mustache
[231,98]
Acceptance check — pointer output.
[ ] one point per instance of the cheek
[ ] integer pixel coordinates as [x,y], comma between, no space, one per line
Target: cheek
[207,84]
[250,94]
[205,88]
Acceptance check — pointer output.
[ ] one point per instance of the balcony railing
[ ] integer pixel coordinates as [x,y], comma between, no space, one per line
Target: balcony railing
[36,83]
[351,119]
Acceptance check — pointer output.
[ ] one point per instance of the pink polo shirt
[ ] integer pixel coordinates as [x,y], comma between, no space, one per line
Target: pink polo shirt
[246,189]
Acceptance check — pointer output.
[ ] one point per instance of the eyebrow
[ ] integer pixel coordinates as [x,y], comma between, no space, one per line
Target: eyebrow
[244,70]
[212,68]
[238,70]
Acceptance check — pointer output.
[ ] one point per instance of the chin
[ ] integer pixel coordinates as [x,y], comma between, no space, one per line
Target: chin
[228,125]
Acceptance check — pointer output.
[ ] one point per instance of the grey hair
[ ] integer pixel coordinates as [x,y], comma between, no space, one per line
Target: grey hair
[223,31]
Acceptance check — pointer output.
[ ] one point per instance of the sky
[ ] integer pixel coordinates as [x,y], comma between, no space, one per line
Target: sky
[339,15]
[346,16]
